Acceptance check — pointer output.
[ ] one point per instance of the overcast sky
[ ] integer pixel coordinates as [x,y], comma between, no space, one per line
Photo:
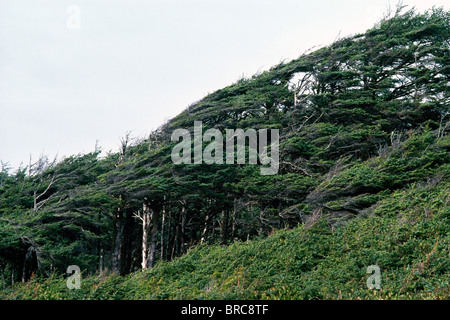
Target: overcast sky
[80,71]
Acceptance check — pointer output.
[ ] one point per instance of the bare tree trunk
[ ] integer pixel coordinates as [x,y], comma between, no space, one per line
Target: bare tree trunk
[38,204]
[145,216]
[145,228]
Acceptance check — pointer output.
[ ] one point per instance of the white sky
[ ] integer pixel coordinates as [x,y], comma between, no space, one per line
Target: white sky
[133,64]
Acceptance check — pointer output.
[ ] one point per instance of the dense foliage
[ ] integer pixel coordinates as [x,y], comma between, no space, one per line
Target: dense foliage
[407,236]
[363,180]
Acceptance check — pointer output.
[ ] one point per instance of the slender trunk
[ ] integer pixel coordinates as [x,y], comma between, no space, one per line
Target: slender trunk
[35,201]
[168,235]
[175,242]
[205,229]
[155,226]
[117,241]
[101,261]
[163,243]
[151,258]
[233,221]
[224,229]
[261,220]
[117,256]
[3,277]
[146,219]
[183,229]
[144,251]
[24,271]
[99,246]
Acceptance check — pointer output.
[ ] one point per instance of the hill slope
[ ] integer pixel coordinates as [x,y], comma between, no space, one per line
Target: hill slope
[312,261]
[362,179]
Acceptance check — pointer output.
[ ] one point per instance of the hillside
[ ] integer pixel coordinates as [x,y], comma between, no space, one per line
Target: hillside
[362,179]
[312,261]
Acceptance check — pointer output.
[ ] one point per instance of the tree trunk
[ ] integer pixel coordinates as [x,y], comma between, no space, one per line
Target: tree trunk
[175,242]
[99,245]
[163,243]
[101,263]
[155,226]
[183,229]
[118,224]
[146,219]
[224,227]
[3,276]
[233,221]
[261,220]
[12,275]
[24,271]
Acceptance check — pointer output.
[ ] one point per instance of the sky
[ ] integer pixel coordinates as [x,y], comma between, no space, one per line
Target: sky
[78,73]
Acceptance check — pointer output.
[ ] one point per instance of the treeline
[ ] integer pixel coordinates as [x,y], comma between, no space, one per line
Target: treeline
[358,119]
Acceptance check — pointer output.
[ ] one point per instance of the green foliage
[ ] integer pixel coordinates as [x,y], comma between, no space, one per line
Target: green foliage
[407,237]
[363,179]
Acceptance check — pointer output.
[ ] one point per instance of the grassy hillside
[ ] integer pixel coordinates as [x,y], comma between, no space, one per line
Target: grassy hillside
[407,236]
[362,180]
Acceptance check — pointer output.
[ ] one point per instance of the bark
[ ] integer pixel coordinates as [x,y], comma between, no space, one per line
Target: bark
[154,233]
[24,271]
[101,260]
[183,229]
[99,246]
[233,221]
[224,227]
[261,220]
[3,277]
[117,241]
[205,229]
[12,275]
[180,234]
[145,215]
[163,243]
[175,242]
[146,219]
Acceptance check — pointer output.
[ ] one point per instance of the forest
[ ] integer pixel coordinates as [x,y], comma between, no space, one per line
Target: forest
[363,179]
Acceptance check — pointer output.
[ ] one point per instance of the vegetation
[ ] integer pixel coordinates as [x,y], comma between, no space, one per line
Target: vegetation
[364,179]
[312,261]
